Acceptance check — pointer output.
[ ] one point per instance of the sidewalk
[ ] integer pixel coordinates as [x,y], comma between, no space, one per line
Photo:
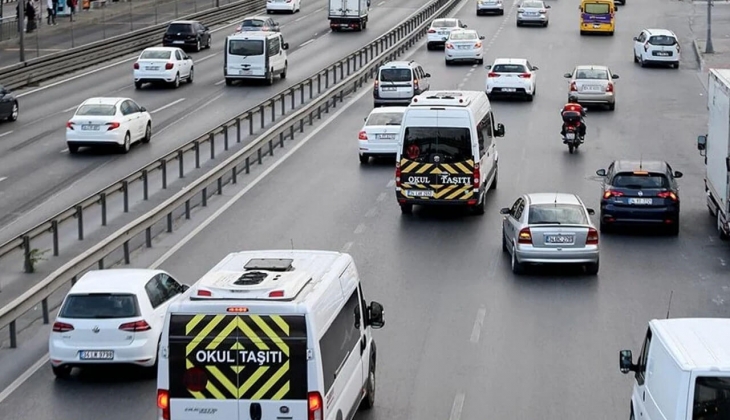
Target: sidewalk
[720,38]
[95,24]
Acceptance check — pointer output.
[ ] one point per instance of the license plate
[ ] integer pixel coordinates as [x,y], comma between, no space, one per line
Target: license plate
[570,136]
[419,193]
[639,200]
[90,127]
[389,89]
[386,136]
[443,32]
[663,53]
[244,72]
[531,13]
[96,355]
[591,88]
[559,239]
[151,68]
[178,42]
[464,47]
[509,90]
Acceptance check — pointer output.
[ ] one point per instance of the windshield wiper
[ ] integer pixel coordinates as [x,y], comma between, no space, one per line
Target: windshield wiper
[545,222]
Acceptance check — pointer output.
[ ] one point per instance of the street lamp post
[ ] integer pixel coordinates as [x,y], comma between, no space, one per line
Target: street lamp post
[21,29]
[708,42]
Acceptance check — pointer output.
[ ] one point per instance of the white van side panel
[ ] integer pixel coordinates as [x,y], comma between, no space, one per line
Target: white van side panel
[666,384]
[239,66]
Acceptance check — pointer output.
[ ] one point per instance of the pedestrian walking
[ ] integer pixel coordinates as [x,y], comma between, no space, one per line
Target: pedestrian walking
[30,13]
[51,6]
[72,7]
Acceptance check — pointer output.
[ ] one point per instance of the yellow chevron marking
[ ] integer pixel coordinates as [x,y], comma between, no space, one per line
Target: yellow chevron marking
[237,369]
[237,346]
[469,162]
[411,167]
[462,167]
[222,336]
[447,189]
[448,168]
[281,323]
[467,194]
[284,389]
[213,390]
[252,335]
[272,335]
[251,380]
[193,323]
[456,194]
[230,387]
[195,394]
[203,333]
[424,168]
[273,380]
[436,171]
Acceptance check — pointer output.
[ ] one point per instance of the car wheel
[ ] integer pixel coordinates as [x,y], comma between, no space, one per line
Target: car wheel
[270,79]
[518,23]
[504,242]
[283,73]
[530,98]
[191,75]
[480,61]
[641,61]
[676,65]
[208,42]
[406,208]
[636,59]
[494,181]
[147,134]
[364,159]
[229,82]
[61,372]
[268,12]
[605,227]
[517,267]
[369,401]
[673,229]
[138,85]
[72,149]
[14,112]
[612,106]
[127,143]
[197,46]
[176,82]
[448,63]
[546,24]
[479,208]
[592,268]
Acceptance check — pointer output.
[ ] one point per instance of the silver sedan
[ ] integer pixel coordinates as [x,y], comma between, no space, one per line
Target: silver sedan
[546,228]
[533,12]
[593,85]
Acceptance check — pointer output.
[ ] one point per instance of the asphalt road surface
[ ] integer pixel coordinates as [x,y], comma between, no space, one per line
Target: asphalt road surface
[464,336]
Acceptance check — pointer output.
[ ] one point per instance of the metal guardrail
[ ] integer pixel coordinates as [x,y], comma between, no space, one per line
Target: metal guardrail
[385,48]
[64,62]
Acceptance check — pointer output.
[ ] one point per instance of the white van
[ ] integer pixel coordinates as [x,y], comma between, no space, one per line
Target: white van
[255,55]
[270,335]
[683,371]
[446,151]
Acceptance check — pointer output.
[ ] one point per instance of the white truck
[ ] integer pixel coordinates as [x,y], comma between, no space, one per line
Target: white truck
[348,14]
[715,147]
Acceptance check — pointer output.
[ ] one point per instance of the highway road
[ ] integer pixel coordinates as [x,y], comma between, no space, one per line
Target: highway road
[33,155]
[464,336]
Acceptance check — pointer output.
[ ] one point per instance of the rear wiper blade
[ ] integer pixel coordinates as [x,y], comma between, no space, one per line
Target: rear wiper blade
[633,186]
[544,222]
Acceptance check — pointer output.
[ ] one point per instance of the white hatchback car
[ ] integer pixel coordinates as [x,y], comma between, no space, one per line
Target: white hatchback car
[439,31]
[163,65]
[291,6]
[511,77]
[112,317]
[379,135]
[108,122]
[657,46]
[464,45]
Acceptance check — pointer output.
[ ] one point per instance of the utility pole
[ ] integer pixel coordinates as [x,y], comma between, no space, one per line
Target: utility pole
[21,28]
[708,42]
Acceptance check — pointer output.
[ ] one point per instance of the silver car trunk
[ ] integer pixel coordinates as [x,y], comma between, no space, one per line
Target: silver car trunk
[558,236]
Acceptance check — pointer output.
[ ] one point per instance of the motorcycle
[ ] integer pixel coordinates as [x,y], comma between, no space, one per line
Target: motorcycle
[572,123]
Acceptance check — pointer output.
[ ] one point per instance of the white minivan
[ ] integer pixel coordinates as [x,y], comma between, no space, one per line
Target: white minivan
[255,55]
[683,370]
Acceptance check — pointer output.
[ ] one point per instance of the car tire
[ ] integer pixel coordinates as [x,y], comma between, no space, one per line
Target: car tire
[369,401]
[592,268]
[545,25]
[176,82]
[14,113]
[283,73]
[198,47]
[270,79]
[406,208]
[448,63]
[72,148]
[517,267]
[191,76]
[147,134]
[612,106]
[229,82]
[494,181]
[504,242]
[641,61]
[501,12]
[636,59]
[61,372]
[480,61]
[127,146]
[364,159]
[610,33]
[673,229]
[208,42]
[138,85]
[479,208]
[479,13]
[675,65]
[605,228]
[582,33]
[530,98]
[268,12]
[518,24]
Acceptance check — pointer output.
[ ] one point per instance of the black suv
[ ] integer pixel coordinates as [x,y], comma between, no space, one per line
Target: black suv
[8,105]
[640,193]
[187,34]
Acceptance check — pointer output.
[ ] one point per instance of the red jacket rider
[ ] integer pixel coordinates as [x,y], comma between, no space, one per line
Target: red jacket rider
[575,107]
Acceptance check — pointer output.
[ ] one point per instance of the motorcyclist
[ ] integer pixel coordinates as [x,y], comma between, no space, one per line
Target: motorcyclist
[574,106]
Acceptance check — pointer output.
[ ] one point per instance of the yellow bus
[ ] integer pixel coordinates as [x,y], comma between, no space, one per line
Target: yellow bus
[597,16]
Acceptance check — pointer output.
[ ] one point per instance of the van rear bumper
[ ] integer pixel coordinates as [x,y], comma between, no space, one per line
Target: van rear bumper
[394,101]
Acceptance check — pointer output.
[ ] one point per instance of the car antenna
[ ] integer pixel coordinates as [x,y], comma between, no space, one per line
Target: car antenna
[641,162]
[555,201]
[669,307]
[292,244]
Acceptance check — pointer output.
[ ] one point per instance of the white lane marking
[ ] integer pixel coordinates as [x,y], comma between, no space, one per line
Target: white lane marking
[370,213]
[722,262]
[6,133]
[461,85]
[477,329]
[3,178]
[381,197]
[391,183]
[64,150]
[300,19]
[221,82]
[255,181]
[108,66]
[457,407]
[71,108]
[360,229]
[381,3]
[306,43]
[347,247]
[173,103]
[205,58]
[22,378]
[172,124]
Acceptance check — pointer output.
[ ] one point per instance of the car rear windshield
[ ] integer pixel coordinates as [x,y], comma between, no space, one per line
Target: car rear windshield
[597,8]
[252,23]
[712,398]
[443,23]
[591,74]
[385,118]
[463,35]
[557,213]
[100,305]
[155,55]
[180,28]
[663,40]
[97,110]
[509,68]
[633,180]
[532,5]
[450,145]
[246,47]
[395,75]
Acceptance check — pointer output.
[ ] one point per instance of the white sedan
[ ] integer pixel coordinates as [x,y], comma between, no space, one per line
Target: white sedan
[511,77]
[464,45]
[379,136]
[112,316]
[291,6]
[108,122]
[163,65]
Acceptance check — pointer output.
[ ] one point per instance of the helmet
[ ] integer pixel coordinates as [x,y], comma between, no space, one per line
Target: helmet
[573,99]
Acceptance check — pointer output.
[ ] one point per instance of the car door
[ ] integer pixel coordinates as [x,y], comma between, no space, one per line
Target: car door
[639,392]
[183,64]
[485,136]
[6,103]
[639,44]
[156,295]
[135,120]
[531,69]
[510,222]
[425,82]
[128,119]
[204,32]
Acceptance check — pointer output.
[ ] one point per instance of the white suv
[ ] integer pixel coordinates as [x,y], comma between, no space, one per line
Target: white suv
[656,46]
[511,77]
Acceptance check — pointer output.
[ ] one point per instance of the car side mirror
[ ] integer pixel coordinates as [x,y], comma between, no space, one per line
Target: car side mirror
[482,37]
[701,142]
[142,109]
[464,26]
[376,317]
[427,75]
[568,75]
[636,38]
[500,130]
[678,174]
[591,212]
[285,46]
[535,68]
[3,92]
[488,67]
[207,29]
[547,6]
[601,172]
[625,361]
[614,76]
[505,210]
[184,287]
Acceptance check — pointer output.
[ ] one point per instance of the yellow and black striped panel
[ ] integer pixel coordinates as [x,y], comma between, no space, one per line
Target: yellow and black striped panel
[249,357]
[431,176]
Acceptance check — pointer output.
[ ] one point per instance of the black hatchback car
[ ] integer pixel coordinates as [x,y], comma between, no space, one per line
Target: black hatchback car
[8,105]
[187,34]
[640,193]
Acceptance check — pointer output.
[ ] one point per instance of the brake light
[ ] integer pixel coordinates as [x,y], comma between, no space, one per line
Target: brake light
[592,238]
[492,74]
[168,66]
[314,406]
[62,327]
[238,29]
[362,135]
[136,66]
[415,83]
[543,11]
[276,293]
[449,46]
[477,176]
[677,45]
[112,126]
[70,125]
[163,403]
[646,47]
[397,175]
[525,236]
[204,293]
[668,194]
[612,193]
[137,326]
[609,88]
[431,31]
[377,85]
[478,45]
[573,87]
[525,75]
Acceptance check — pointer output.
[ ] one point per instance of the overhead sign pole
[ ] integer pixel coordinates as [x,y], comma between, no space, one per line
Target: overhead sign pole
[708,43]
[21,29]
